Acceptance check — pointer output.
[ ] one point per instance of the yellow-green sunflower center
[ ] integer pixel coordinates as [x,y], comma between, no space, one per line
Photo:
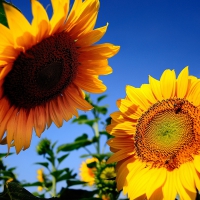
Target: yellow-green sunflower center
[167,135]
[108,173]
[42,72]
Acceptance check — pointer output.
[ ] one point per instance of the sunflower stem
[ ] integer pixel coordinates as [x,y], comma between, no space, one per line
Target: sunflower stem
[53,182]
[96,131]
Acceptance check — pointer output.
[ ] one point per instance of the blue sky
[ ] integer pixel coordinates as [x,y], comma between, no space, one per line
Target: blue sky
[154,35]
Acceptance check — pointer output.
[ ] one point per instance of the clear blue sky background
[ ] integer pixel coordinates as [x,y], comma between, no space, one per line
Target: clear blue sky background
[153,35]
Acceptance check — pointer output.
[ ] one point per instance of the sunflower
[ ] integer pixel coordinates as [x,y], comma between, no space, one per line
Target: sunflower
[40,178]
[87,174]
[46,65]
[104,180]
[156,140]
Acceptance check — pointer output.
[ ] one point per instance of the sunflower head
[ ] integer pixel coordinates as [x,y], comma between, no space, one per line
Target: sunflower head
[46,65]
[87,170]
[156,140]
[40,175]
[105,179]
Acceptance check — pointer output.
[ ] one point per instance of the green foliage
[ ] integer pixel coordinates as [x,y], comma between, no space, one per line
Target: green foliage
[3,19]
[78,143]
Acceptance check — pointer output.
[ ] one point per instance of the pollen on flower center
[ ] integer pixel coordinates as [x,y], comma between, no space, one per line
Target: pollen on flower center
[42,72]
[166,134]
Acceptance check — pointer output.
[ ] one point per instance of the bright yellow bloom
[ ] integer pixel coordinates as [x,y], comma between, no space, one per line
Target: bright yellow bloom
[39,188]
[40,175]
[45,66]
[86,173]
[40,178]
[156,140]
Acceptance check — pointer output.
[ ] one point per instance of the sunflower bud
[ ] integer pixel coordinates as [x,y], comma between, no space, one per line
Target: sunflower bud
[43,146]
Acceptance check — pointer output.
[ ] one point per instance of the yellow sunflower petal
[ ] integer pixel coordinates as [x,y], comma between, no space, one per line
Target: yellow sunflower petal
[19,26]
[5,119]
[60,11]
[87,18]
[39,120]
[118,144]
[182,83]
[169,192]
[196,162]
[121,154]
[74,98]
[29,129]
[157,180]
[92,36]
[129,108]
[155,87]
[147,92]
[167,83]
[11,128]
[187,179]
[19,134]
[139,183]
[122,172]
[6,36]
[40,22]
[73,15]
[93,84]
[183,192]
[99,51]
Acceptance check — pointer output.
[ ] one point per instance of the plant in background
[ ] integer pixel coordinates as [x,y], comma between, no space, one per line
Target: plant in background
[40,178]
[87,173]
[6,174]
[105,181]
[50,174]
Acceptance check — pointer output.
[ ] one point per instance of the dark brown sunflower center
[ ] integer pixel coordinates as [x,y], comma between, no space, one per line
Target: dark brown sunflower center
[167,134]
[42,72]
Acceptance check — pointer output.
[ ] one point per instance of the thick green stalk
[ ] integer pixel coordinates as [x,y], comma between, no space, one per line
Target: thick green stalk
[96,131]
[53,182]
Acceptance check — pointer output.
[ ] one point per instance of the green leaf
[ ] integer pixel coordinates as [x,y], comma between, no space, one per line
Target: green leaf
[108,120]
[83,119]
[79,142]
[101,109]
[92,164]
[62,158]
[32,184]
[82,137]
[53,145]
[74,182]
[45,164]
[80,119]
[105,133]
[101,98]
[4,154]
[57,173]
[3,19]
[100,157]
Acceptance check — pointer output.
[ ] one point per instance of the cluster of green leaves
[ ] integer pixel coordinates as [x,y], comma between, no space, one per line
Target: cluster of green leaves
[6,174]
